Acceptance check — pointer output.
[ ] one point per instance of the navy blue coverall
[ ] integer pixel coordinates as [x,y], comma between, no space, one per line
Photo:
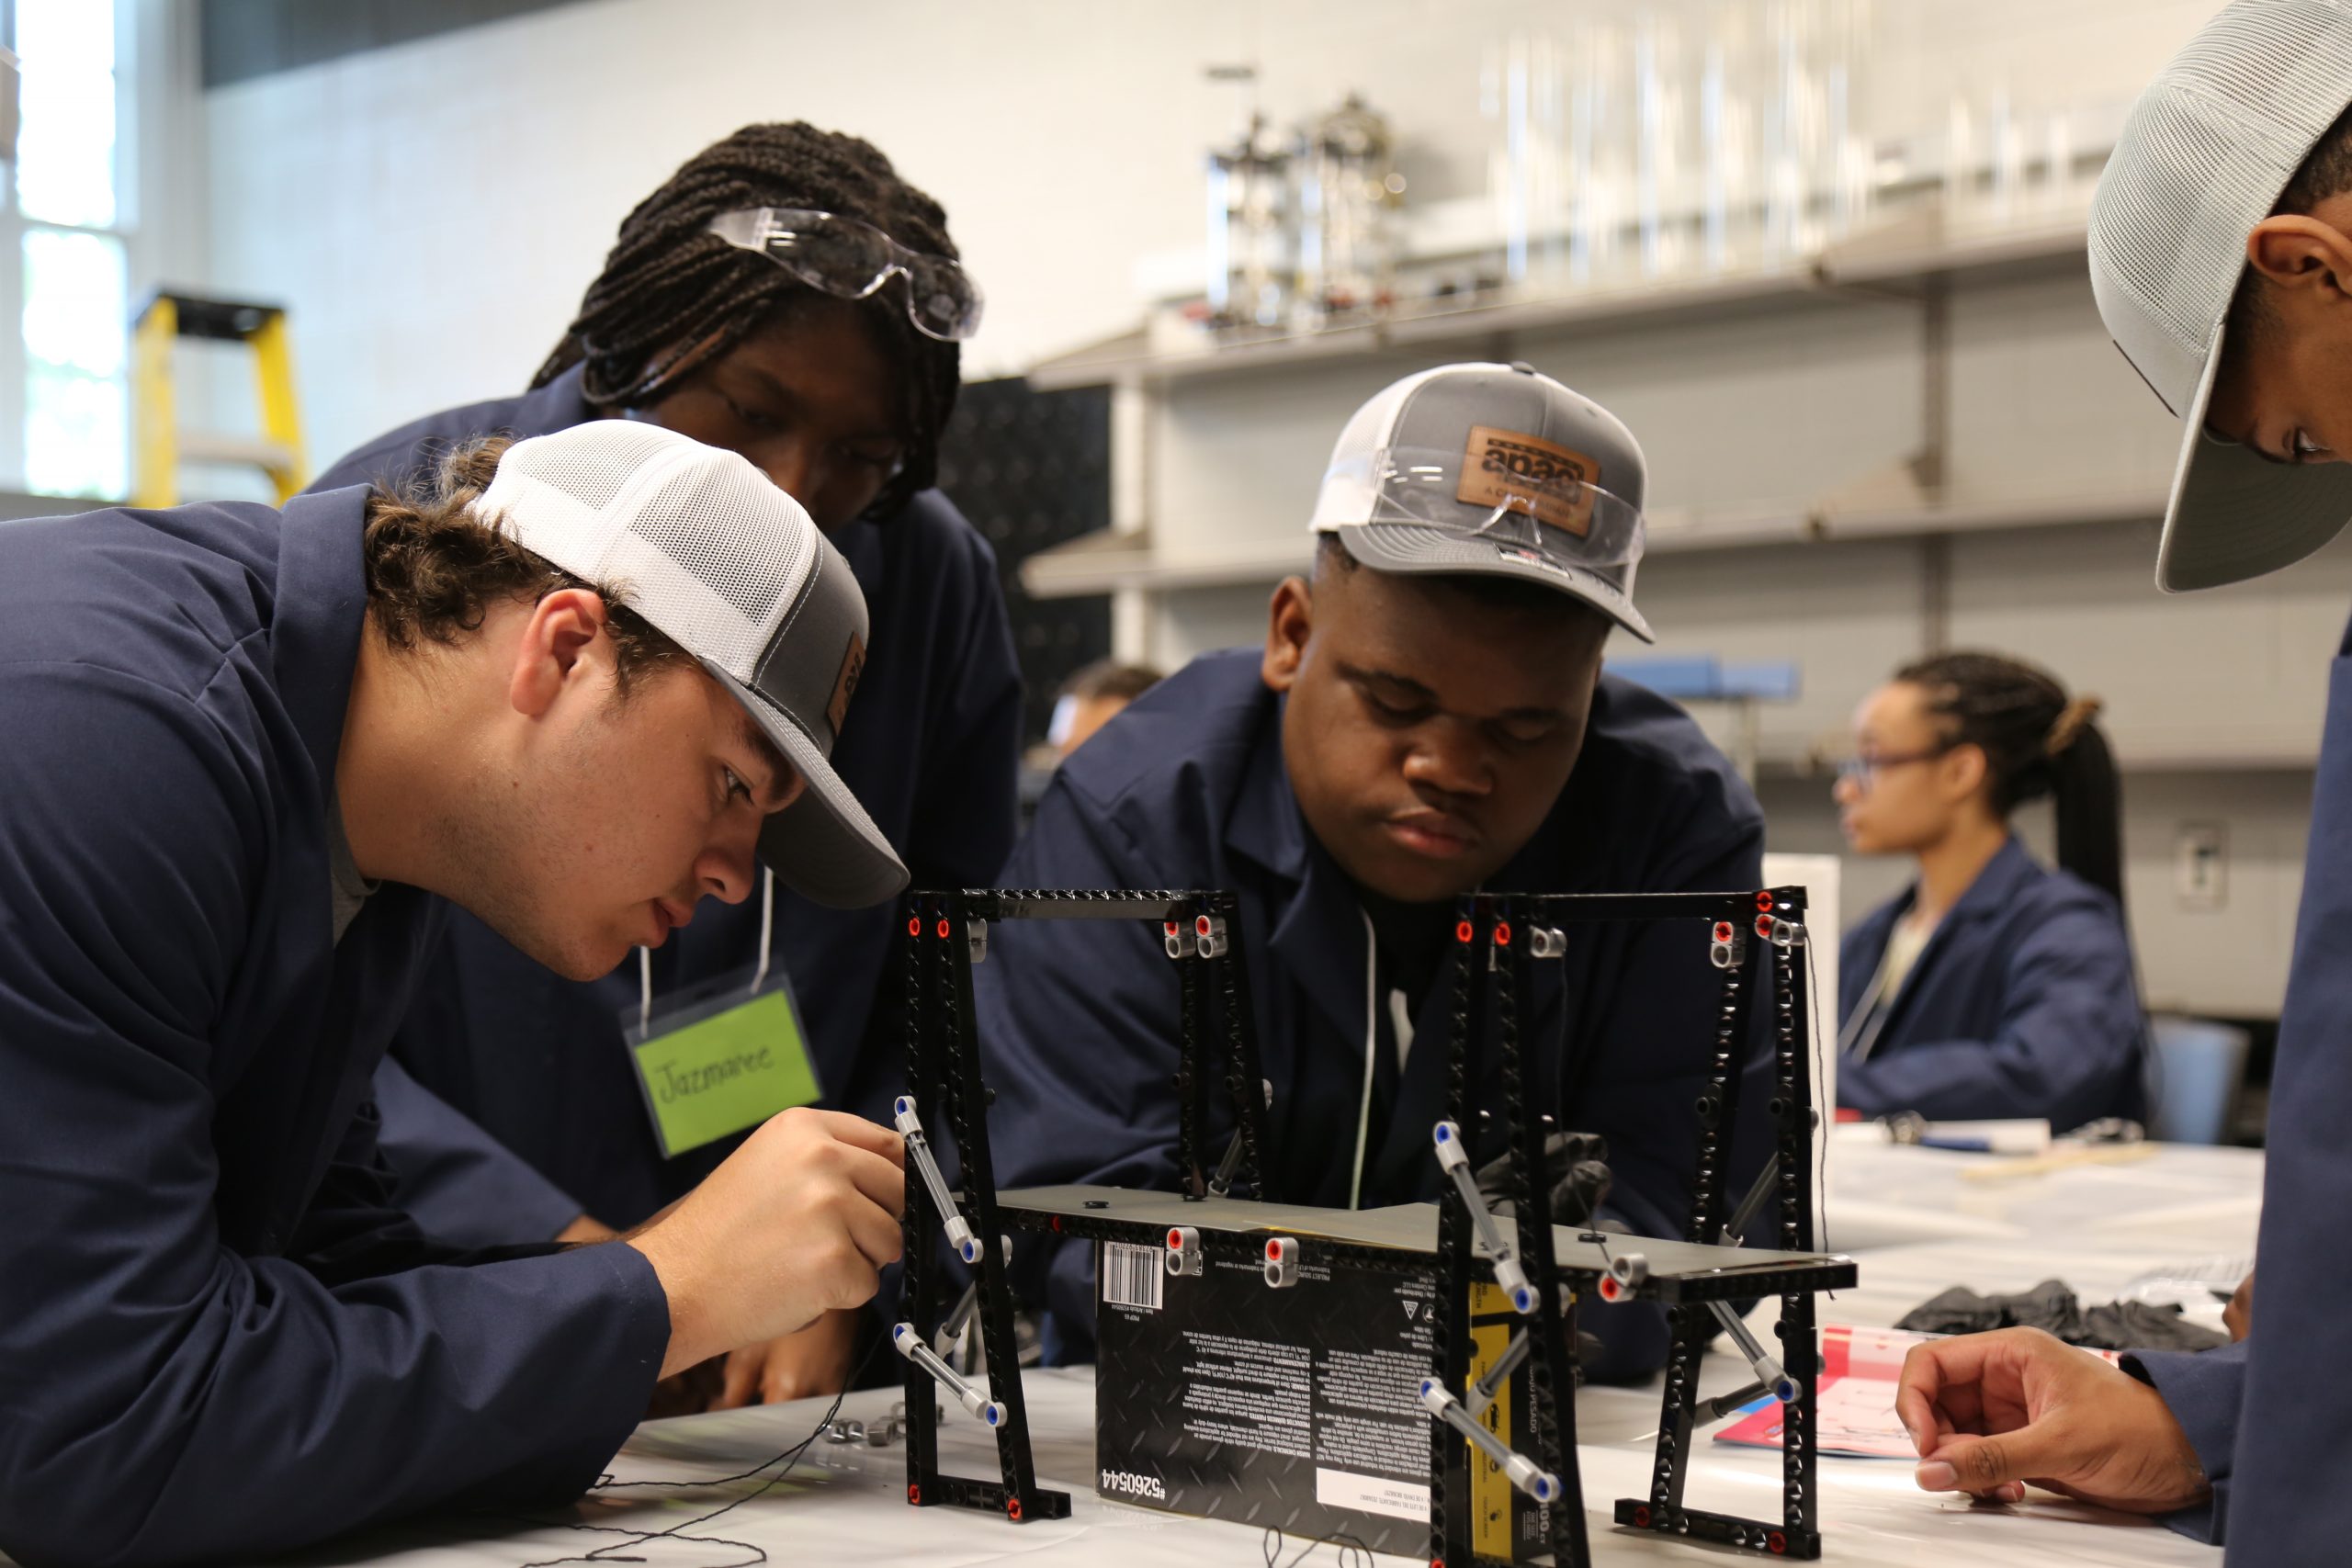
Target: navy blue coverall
[2022,1004]
[2269,1416]
[217,1337]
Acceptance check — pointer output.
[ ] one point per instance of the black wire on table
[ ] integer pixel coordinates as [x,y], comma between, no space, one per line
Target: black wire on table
[1349,1551]
[788,1458]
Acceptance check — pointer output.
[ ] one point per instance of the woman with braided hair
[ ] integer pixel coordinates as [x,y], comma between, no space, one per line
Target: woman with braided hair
[712,297]
[786,294]
[1993,986]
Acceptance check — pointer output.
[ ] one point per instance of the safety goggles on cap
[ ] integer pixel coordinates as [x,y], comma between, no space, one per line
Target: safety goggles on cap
[851,259]
[1531,504]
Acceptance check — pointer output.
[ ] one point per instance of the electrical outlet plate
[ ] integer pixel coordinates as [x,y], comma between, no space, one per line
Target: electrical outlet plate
[2200,865]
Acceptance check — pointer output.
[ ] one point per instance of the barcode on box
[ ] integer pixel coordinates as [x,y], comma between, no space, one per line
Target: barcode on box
[1132,1274]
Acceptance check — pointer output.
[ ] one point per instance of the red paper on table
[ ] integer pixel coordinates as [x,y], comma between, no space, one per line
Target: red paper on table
[1854,1405]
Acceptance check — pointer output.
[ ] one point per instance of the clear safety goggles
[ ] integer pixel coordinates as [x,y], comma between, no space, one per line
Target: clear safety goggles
[1511,498]
[851,259]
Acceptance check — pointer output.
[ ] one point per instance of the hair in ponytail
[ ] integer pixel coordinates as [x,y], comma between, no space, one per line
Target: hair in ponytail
[2037,740]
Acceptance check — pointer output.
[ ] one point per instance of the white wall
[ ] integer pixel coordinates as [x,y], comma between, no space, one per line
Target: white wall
[432,212]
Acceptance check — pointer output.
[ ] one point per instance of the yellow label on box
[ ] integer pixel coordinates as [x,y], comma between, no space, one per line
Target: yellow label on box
[1490,1490]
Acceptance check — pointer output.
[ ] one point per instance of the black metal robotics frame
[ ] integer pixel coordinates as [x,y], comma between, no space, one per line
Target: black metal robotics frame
[1761,941]
[1747,935]
[946,934]
[1487,995]
[1751,938]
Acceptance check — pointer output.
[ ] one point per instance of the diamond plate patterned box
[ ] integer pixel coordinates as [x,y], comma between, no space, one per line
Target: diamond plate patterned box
[1297,1408]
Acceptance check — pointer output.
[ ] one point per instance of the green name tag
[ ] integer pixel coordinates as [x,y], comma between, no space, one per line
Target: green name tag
[713,1063]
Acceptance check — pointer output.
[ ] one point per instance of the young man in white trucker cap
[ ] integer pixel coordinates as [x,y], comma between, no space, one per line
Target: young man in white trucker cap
[250,755]
[2221,252]
[1427,716]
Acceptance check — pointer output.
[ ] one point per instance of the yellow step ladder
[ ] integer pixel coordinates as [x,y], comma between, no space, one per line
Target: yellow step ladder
[163,446]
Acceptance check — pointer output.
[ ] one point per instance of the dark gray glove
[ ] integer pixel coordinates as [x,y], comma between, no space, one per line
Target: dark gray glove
[1578,1166]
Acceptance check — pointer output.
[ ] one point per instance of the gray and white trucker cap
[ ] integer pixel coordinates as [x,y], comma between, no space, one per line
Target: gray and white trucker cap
[2202,158]
[731,569]
[1492,470]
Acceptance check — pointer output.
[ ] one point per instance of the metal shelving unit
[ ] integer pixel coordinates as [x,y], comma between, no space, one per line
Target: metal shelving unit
[1157,560]
[1110,560]
[1914,256]
[1911,252]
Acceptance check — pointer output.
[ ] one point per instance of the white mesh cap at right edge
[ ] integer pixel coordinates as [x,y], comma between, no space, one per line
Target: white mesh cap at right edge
[2202,157]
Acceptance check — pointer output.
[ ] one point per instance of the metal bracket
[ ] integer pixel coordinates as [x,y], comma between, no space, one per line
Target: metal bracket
[1628,1272]
[1184,1258]
[1209,937]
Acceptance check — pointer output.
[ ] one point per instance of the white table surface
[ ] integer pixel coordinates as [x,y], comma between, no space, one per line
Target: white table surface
[1913,1225]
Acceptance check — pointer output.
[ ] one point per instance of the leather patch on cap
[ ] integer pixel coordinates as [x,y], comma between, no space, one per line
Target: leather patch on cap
[1528,474]
[845,684]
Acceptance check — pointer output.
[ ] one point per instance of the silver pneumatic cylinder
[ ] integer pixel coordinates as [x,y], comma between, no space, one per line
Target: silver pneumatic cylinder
[909,1345]
[1508,1273]
[959,1231]
[1522,1472]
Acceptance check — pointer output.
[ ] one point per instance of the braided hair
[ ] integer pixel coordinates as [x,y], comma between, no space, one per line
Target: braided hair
[673,297]
[2036,741]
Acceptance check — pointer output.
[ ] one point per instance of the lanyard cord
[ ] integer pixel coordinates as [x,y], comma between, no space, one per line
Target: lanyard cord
[767,929]
[1862,1031]
[759,975]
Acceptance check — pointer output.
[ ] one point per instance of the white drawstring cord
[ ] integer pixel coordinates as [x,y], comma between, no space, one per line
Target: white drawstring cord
[1371,1044]
[767,931]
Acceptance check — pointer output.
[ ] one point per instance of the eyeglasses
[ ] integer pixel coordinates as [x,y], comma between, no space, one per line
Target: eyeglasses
[850,259]
[1861,770]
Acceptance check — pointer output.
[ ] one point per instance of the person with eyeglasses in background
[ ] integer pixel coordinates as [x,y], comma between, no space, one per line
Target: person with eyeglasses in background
[785,295]
[1993,985]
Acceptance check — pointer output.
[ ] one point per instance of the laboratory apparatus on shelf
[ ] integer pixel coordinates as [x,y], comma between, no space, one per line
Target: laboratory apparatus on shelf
[1249,228]
[1348,193]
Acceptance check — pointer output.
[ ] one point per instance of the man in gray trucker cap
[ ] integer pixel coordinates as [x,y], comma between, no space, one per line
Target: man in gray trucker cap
[2220,255]
[252,757]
